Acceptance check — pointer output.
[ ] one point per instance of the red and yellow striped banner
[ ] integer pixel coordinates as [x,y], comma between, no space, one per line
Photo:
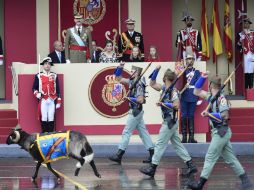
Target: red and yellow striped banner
[215,26]
[228,32]
[204,34]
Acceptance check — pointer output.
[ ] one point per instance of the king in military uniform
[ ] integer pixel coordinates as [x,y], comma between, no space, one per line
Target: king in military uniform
[78,42]
[128,40]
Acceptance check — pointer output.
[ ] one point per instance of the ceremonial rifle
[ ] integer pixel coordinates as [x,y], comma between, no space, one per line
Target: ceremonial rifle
[216,96]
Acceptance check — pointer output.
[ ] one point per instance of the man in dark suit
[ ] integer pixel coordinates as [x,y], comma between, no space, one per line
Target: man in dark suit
[58,56]
[95,53]
[128,40]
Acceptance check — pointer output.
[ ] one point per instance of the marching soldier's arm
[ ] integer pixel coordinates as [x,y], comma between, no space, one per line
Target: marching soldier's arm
[199,84]
[153,76]
[66,45]
[118,74]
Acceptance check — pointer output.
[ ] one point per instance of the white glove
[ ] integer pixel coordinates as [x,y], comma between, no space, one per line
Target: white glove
[185,37]
[58,106]
[38,95]
[242,37]
[68,61]
[1,62]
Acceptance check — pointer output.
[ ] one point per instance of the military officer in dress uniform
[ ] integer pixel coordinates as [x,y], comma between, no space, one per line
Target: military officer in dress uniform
[78,42]
[1,52]
[189,101]
[46,90]
[128,40]
[246,46]
[135,118]
[169,129]
[189,39]
[221,134]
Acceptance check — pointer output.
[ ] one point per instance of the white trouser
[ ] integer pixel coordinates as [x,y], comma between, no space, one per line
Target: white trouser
[249,62]
[47,109]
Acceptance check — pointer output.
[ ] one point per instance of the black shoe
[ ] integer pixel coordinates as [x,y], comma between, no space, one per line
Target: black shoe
[184,129]
[117,157]
[191,130]
[246,183]
[191,169]
[44,126]
[51,126]
[149,159]
[149,170]
[197,185]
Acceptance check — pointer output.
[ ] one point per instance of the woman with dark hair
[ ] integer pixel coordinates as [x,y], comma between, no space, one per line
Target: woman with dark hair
[108,55]
[153,55]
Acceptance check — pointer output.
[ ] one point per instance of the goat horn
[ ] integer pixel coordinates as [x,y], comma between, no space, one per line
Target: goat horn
[17,137]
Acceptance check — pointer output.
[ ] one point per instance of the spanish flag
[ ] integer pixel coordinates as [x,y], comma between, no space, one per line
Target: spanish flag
[228,32]
[204,34]
[215,29]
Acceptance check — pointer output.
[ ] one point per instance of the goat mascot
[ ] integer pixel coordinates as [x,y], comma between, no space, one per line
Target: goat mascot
[48,147]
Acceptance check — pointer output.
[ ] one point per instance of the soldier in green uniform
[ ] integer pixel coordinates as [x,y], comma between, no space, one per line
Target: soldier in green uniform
[78,42]
[221,134]
[169,129]
[135,118]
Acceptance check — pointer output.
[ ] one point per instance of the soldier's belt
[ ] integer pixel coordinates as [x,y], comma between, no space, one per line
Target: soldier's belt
[128,52]
[78,48]
[191,86]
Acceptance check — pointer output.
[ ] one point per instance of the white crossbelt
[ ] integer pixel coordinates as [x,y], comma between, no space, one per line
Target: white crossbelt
[191,86]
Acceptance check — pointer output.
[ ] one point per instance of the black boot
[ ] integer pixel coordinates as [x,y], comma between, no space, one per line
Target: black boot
[117,157]
[184,129]
[197,185]
[246,183]
[44,126]
[191,130]
[149,159]
[51,126]
[191,169]
[149,170]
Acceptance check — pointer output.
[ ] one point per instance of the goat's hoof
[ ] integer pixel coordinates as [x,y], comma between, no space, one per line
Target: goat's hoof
[58,180]
[76,173]
[98,175]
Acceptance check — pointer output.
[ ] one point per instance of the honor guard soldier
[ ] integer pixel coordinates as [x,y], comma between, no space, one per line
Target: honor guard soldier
[246,46]
[169,129]
[220,144]
[46,90]
[189,101]
[1,52]
[128,40]
[189,39]
[78,42]
[135,118]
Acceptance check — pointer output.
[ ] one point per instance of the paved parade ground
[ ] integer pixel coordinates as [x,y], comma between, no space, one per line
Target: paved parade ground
[15,173]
